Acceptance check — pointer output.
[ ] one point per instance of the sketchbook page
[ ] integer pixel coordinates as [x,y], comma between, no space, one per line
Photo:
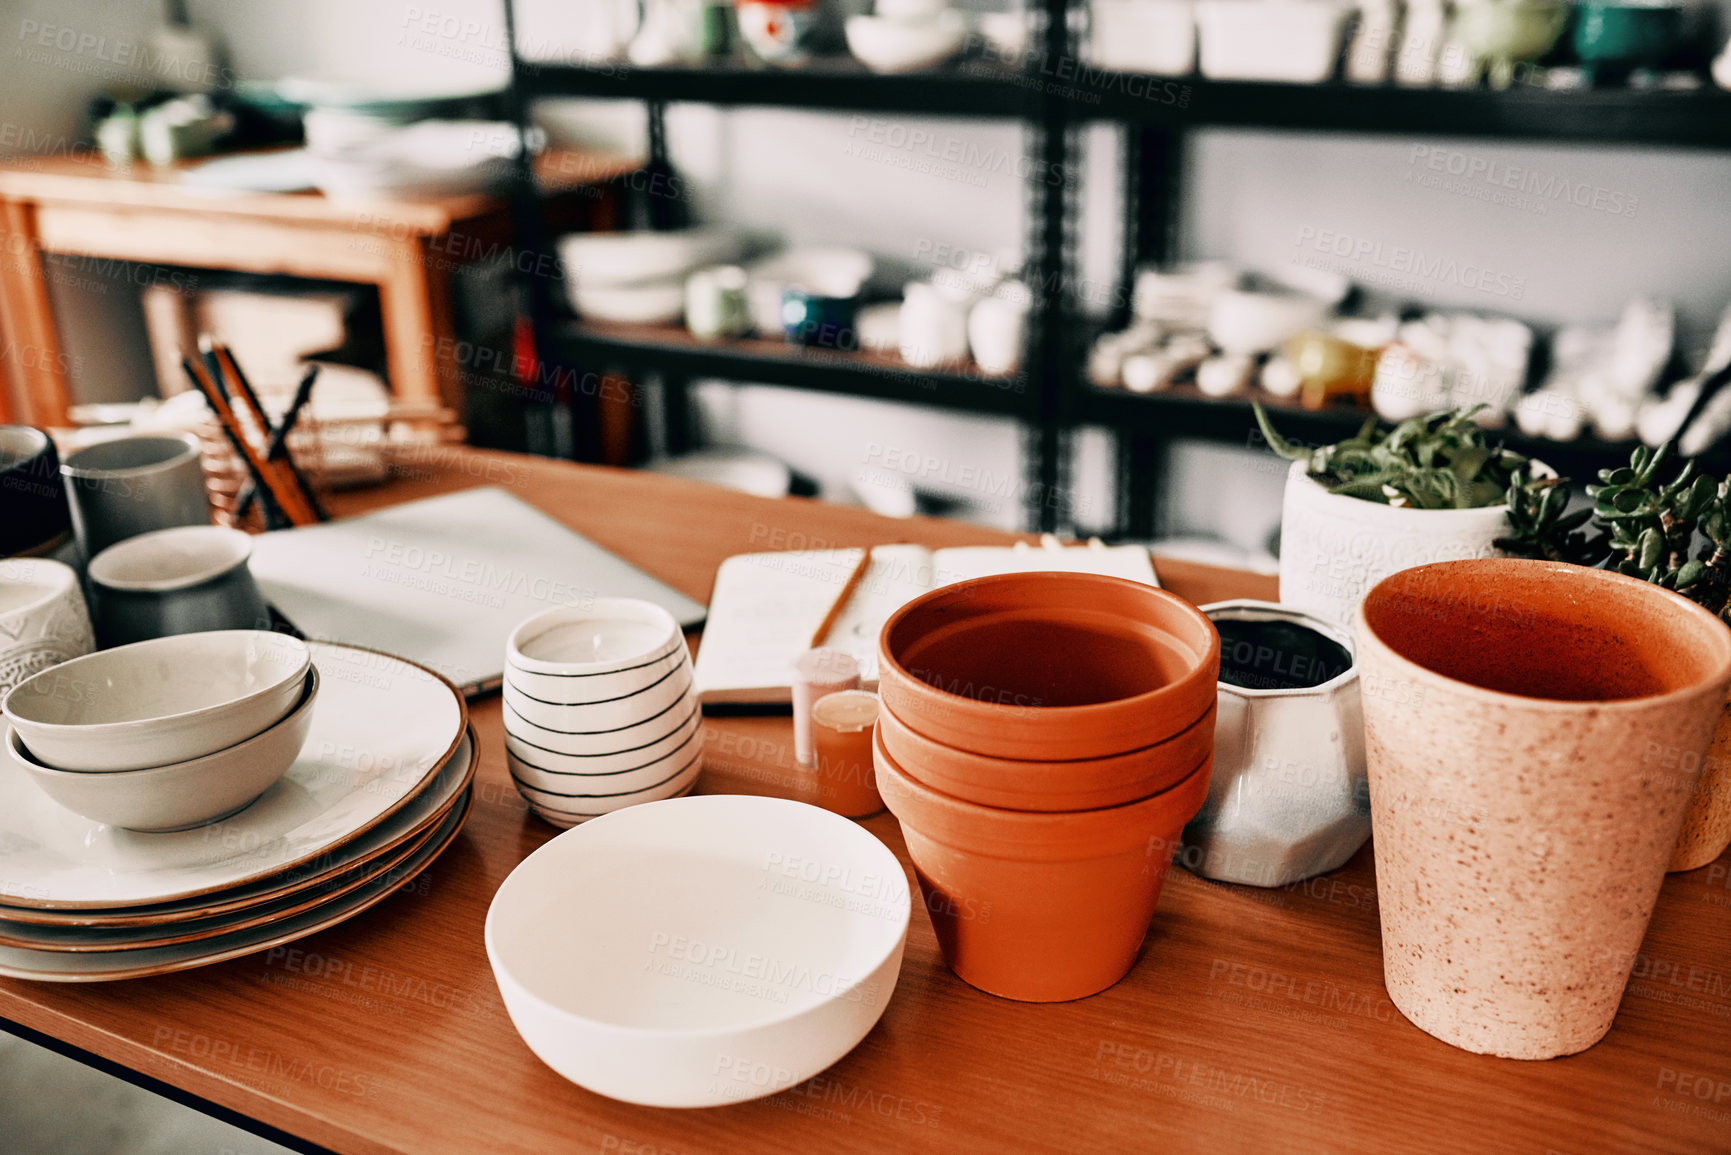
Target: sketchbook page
[960,563]
[898,575]
[766,606]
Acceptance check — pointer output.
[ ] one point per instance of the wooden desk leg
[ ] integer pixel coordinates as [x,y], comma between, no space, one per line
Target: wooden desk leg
[35,366]
[420,344]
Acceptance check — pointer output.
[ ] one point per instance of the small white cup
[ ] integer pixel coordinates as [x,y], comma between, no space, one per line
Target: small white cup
[43,618]
[934,326]
[997,329]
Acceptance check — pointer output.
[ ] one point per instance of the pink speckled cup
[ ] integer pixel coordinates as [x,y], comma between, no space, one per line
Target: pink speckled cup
[1521,820]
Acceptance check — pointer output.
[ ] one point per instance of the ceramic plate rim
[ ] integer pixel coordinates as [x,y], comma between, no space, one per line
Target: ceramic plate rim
[337,918]
[118,917]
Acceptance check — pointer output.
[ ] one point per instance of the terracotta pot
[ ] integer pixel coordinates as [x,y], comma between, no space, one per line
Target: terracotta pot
[1019,784]
[1522,832]
[1707,823]
[1039,907]
[1048,666]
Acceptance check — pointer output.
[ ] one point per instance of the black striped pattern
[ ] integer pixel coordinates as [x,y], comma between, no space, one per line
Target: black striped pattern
[686,721]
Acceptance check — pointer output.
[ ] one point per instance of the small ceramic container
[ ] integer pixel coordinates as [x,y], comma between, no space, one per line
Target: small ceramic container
[43,621]
[700,951]
[1334,548]
[997,329]
[32,492]
[132,485]
[780,31]
[906,43]
[1150,36]
[842,729]
[179,795]
[1015,784]
[1611,39]
[599,709]
[820,318]
[1249,323]
[1523,828]
[1039,907]
[1501,33]
[166,700]
[934,326]
[176,581]
[1048,666]
[1289,798]
[716,306]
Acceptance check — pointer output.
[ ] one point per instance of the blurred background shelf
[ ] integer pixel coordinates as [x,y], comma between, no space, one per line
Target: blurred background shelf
[973,89]
[1700,118]
[672,350]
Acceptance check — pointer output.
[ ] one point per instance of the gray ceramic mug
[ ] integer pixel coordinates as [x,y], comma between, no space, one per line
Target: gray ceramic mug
[175,581]
[132,485]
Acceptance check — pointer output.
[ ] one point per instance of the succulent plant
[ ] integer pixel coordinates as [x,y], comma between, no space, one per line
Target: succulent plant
[1675,533]
[1439,461]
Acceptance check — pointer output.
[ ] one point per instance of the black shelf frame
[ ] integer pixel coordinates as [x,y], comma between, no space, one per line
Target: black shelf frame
[1054,94]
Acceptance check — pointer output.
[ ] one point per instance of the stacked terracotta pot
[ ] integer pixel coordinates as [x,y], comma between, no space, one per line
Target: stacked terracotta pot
[1043,741]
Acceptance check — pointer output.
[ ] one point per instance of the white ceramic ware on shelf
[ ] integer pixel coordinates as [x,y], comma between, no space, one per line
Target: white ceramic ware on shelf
[1295,41]
[179,795]
[382,731]
[160,701]
[1151,36]
[900,44]
[998,328]
[43,618]
[599,709]
[827,270]
[700,951]
[1248,322]
[934,326]
[639,277]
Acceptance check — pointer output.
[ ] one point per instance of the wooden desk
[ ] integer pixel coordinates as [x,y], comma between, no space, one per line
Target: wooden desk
[1256,1020]
[77,206]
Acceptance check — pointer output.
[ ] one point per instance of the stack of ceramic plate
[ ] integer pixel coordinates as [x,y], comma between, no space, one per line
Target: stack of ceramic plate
[600,711]
[379,789]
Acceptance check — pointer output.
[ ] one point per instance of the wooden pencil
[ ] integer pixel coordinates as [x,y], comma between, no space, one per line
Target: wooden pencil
[843,598]
[288,499]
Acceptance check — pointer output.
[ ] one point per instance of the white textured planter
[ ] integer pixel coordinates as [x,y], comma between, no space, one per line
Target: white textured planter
[1334,548]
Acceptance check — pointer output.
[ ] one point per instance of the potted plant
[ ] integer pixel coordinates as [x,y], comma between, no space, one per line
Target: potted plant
[1674,533]
[1429,489]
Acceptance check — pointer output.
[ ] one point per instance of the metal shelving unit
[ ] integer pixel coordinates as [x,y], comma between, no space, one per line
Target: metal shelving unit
[1054,95]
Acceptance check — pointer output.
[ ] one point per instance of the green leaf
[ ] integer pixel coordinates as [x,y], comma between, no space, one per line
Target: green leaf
[1690,572]
[1652,548]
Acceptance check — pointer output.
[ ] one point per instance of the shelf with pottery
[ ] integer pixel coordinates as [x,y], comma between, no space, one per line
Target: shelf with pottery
[1700,118]
[983,89]
[959,385]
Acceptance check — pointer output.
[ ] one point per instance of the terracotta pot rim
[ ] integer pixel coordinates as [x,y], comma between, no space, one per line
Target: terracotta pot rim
[1007,784]
[1030,828]
[1720,677]
[1327,627]
[988,712]
[1035,764]
[1300,472]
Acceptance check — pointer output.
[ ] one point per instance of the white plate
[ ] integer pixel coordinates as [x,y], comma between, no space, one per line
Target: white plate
[53,967]
[422,810]
[381,730]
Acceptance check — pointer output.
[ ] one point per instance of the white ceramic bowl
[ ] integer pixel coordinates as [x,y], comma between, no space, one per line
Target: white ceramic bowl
[568,690]
[651,303]
[599,727]
[543,749]
[1291,40]
[883,44]
[181,794]
[1246,322]
[603,636]
[566,803]
[830,270]
[700,951]
[599,259]
[161,701]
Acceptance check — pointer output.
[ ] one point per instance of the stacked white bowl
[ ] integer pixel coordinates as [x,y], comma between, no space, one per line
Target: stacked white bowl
[600,711]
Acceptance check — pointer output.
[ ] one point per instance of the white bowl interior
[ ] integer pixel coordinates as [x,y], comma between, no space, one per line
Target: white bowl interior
[644,918]
[171,558]
[160,678]
[610,634]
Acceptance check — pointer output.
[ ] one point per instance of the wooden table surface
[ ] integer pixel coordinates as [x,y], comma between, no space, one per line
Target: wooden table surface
[1256,1020]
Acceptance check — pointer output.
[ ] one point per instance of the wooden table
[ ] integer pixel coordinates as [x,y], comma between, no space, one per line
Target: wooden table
[79,207]
[1255,1021]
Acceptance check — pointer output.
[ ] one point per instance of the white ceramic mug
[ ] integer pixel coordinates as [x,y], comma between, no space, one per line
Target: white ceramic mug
[934,326]
[716,305]
[997,329]
[43,620]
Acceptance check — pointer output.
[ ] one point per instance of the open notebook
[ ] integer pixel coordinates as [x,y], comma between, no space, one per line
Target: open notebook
[767,605]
